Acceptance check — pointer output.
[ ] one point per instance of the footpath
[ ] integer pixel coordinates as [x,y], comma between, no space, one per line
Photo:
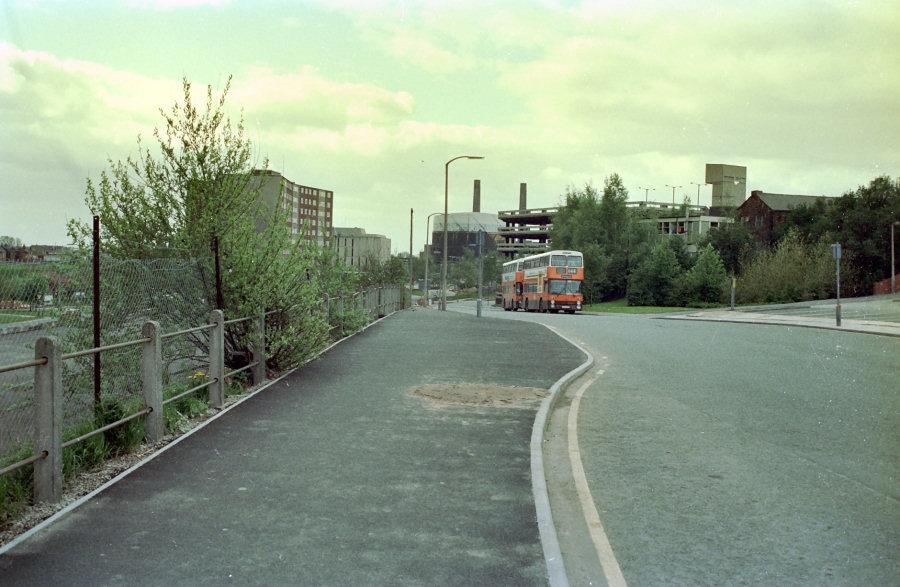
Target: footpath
[336,474]
[868,315]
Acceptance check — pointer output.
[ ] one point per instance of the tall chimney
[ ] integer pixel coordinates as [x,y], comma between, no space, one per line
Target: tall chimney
[523,191]
[476,196]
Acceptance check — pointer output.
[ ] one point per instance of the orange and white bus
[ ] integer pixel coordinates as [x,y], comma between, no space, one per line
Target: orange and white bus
[511,284]
[551,281]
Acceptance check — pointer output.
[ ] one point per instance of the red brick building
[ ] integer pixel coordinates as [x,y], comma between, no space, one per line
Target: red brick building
[763,212]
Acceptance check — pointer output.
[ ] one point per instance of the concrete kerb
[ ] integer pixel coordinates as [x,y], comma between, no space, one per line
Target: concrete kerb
[556,570]
[85,498]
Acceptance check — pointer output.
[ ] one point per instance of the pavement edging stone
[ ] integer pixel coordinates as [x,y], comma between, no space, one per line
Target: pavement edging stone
[556,570]
[85,498]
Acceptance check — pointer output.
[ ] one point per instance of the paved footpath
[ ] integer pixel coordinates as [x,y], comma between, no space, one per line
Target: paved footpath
[335,475]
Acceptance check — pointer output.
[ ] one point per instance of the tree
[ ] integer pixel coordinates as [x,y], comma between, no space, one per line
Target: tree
[200,187]
[652,282]
[10,241]
[704,282]
[612,240]
[734,243]
[860,220]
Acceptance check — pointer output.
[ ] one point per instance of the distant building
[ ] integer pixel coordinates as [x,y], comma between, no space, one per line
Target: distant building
[309,209]
[763,212]
[357,248]
[462,233]
[729,186]
[525,231]
[690,222]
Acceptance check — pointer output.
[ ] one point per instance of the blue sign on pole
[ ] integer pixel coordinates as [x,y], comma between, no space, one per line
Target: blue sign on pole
[836,250]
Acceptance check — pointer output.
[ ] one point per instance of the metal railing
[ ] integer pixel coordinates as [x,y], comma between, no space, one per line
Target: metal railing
[48,388]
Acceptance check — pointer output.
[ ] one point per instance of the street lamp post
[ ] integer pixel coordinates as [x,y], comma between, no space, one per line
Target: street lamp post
[893,267]
[674,187]
[444,267]
[427,255]
[646,192]
[699,185]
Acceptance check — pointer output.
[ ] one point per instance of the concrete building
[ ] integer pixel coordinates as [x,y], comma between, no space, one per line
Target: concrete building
[357,248]
[309,209]
[764,212]
[525,231]
[690,223]
[463,229]
[729,186]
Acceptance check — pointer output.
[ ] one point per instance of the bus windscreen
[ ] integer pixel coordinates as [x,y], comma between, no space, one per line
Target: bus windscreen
[564,286]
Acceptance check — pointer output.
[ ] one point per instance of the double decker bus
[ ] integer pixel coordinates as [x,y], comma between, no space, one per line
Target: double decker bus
[511,285]
[550,282]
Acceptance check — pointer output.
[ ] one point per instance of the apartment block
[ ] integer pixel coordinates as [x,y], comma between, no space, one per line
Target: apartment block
[310,209]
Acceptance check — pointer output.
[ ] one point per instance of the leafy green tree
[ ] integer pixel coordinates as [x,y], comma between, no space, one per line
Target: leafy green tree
[652,283]
[704,282]
[197,185]
[860,220]
[734,243]
[612,239]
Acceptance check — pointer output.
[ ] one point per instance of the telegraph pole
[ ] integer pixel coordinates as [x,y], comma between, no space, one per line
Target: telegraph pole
[412,277]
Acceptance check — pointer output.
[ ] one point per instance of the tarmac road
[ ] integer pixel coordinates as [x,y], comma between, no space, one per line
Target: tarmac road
[724,453]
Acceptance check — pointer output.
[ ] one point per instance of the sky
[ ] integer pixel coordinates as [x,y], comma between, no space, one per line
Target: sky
[371,98]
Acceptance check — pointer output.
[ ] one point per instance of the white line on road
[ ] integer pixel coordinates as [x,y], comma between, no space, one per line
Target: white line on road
[608,560]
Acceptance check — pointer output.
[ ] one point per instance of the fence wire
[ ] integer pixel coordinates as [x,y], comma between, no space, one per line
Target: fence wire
[56,299]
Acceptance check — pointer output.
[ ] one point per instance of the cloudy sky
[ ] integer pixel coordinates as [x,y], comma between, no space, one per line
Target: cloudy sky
[369,99]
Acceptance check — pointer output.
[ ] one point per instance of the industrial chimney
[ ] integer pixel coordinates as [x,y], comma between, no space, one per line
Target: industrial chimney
[476,196]
[523,191]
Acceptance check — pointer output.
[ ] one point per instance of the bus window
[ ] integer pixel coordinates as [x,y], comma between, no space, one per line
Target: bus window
[573,261]
[559,260]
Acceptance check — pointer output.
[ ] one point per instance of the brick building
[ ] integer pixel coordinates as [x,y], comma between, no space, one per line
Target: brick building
[763,212]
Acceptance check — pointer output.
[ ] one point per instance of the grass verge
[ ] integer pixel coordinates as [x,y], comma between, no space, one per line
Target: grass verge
[621,307]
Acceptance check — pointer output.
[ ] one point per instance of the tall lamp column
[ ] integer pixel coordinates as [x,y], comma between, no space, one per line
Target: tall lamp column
[446,191]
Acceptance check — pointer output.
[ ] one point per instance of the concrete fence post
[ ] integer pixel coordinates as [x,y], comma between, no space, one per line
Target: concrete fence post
[380,309]
[341,311]
[151,379]
[217,359]
[258,371]
[327,302]
[48,413]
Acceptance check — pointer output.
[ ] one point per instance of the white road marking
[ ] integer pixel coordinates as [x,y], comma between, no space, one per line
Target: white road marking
[608,560]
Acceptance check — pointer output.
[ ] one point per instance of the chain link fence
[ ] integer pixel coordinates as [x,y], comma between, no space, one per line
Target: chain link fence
[56,299]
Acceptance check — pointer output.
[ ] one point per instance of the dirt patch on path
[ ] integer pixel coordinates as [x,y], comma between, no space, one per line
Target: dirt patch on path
[469,394]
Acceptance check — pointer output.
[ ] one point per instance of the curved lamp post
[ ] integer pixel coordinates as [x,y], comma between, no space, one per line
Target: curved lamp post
[444,268]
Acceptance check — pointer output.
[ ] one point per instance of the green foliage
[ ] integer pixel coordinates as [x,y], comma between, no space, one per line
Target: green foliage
[861,221]
[613,240]
[15,487]
[176,414]
[735,244]
[793,271]
[86,454]
[704,282]
[652,283]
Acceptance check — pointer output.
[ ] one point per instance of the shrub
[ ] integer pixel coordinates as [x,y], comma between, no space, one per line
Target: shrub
[791,272]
